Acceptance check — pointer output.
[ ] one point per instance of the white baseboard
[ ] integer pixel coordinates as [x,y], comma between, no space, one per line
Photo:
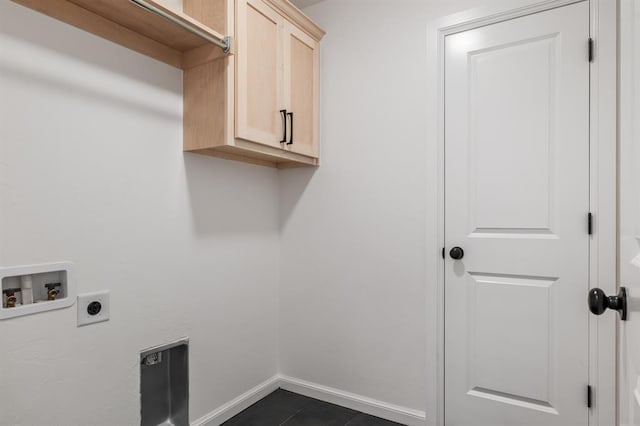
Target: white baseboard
[366,405]
[370,406]
[236,405]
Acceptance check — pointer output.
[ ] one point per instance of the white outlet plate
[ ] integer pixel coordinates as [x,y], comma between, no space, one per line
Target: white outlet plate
[84,300]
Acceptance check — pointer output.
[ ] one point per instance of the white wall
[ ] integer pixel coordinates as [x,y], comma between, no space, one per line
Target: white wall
[357,312]
[92,171]
[629,196]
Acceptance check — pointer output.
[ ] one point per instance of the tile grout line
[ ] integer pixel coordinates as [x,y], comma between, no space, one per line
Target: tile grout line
[351,419]
[297,412]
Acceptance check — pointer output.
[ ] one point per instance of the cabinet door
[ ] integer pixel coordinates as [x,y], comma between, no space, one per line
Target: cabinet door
[302,84]
[259,78]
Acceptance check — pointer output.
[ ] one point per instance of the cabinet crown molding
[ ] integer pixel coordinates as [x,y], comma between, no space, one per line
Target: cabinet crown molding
[297,17]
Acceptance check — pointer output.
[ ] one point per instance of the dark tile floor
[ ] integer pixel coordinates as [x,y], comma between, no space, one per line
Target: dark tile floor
[290,409]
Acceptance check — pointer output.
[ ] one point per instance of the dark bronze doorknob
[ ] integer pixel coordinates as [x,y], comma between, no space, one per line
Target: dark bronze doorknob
[456,253]
[600,302]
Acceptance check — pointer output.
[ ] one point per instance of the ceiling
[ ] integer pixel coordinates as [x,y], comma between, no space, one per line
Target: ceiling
[304,3]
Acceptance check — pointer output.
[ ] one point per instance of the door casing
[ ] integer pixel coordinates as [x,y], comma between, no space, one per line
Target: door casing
[602,194]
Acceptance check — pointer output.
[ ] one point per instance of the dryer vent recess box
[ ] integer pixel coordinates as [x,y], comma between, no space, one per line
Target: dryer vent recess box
[164,384]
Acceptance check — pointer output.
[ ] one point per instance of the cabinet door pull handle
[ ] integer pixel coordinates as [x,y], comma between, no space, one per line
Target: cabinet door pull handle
[290,114]
[284,125]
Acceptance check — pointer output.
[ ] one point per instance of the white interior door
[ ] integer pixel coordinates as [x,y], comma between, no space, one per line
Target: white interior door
[629,210]
[517,199]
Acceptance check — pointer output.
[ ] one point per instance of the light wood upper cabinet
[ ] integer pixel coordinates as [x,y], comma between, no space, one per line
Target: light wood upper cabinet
[259,84]
[260,105]
[302,82]
[251,69]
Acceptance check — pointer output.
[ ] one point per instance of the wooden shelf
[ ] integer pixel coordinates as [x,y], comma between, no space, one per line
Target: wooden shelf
[127,24]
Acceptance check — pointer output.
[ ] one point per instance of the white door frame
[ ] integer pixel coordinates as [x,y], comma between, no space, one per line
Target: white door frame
[603,193]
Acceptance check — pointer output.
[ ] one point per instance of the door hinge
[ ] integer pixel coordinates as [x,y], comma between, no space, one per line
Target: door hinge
[590,50]
[590,223]
[589,396]
[443,252]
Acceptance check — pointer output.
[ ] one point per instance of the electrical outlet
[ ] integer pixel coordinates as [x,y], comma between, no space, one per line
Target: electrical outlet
[93,307]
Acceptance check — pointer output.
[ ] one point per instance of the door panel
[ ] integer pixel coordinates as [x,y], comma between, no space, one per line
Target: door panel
[517,198]
[259,82]
[302,89]
[496,363]
[500,78]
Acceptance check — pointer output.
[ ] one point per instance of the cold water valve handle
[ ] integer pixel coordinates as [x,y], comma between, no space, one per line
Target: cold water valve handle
[600,302]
